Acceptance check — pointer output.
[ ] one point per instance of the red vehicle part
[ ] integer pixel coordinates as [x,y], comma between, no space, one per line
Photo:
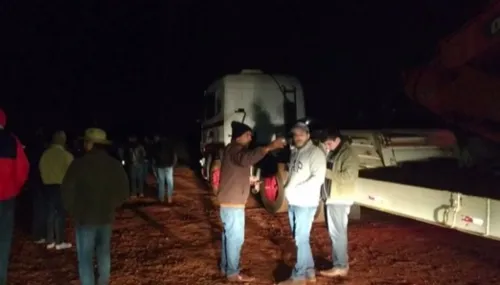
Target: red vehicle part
[271,188]
[462,83]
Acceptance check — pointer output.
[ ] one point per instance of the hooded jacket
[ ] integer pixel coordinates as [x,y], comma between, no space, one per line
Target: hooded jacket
[14,165]
[306,174]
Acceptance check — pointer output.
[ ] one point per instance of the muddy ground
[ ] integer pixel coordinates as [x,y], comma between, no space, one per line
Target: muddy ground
[180,245]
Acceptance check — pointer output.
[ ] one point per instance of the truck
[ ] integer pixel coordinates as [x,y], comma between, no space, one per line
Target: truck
[461,85]
[271,104]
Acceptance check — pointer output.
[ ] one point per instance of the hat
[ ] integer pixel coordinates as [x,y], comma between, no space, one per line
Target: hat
[301,126]
[96,135]
[3,118]
[59,138]
[238,129]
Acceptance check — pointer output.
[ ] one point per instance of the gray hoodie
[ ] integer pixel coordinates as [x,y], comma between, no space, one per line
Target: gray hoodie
[306,174]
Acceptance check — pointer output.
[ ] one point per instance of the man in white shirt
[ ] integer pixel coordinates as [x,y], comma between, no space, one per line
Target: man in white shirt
[339,195]
[307,170]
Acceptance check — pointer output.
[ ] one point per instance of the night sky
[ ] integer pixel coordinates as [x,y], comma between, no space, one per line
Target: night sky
[143,65]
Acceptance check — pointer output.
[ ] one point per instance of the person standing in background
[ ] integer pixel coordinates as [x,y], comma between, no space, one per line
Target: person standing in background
[339,197]
[165,160]
[307,170]
[233,193]
[14,167]
[93,188]
[136,155]
[53,166]
[148,159]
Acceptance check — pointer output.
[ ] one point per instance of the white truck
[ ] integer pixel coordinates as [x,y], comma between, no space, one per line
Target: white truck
[271,104]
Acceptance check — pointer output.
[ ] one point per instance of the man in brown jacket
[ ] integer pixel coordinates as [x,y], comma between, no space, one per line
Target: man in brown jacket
[339,196]
[233,193]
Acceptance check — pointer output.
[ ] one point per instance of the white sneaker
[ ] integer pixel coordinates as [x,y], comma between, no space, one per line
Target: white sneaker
[64,245]
[51,245]
[40,241]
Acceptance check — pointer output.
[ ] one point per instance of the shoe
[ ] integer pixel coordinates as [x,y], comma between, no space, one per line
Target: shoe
[51,245]
[335,272]
[169,200]
[141,195]
[240,278]
[40,241]
[63,245]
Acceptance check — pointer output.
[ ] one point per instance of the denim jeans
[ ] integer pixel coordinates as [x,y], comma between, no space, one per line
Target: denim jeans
[56,217]
[6,230]
[146,170]
[40,212]
[337,217]
[233,236]
[92,240]
[165,175]
[136,173]
[301,220]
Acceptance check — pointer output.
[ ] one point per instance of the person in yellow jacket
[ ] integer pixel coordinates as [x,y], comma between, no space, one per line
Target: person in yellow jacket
[53,166]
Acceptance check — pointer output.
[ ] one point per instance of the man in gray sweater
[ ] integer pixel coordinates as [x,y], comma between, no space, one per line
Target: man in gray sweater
[307,171]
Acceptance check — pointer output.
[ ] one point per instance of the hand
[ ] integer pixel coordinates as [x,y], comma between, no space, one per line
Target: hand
[278,143]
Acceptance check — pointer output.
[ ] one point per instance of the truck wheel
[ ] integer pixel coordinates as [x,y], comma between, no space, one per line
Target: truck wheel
[215,175]
[272,191]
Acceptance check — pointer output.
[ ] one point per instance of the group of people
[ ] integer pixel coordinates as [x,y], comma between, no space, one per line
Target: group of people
[88,188]
[157,157]
[305,187]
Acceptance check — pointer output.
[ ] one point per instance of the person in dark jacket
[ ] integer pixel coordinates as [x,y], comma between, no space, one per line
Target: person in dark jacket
[14,168]
[165,160]
[95,185]
[233,193]
[135,161]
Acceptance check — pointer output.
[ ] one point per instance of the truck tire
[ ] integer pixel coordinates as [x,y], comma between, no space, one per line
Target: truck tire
[272,191]
[215,175]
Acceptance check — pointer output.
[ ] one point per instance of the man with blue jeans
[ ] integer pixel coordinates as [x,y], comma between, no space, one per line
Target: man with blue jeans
[99,180]
[233,193]
[306,174]
[14,168]
[343,167]
[135,159]
[165,160]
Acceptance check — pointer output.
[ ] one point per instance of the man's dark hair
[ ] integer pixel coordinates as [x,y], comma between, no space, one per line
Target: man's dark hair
[330,135]
[100,146]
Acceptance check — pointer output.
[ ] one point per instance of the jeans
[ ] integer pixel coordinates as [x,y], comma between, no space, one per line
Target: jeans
[40,211]
[165,175]
[146,170]
[233,236]
[91,240]
[337,220]
[56,218]
[6,230]
[301,220]
[136,172]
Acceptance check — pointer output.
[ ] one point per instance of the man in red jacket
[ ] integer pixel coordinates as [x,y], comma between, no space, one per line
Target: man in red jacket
[13,174]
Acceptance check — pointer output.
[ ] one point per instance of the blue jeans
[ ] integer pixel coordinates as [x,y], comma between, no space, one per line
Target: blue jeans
[301,220]
[56,218]
[90,240]
[40,211]
[136,173]
[6,230]
[233,236]
[337,217]
[165,175]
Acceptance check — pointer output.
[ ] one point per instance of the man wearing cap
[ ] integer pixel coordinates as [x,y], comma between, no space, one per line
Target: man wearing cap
[339,197]
[53,166]
[94,186]
[14,169]
[306,174]
[233,193]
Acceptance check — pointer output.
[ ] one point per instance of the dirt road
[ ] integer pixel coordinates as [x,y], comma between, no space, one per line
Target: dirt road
[180,245]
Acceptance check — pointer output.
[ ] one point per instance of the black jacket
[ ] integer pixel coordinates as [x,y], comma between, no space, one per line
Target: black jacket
[165,155]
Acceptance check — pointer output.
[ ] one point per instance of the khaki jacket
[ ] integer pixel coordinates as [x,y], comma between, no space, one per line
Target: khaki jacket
[342,173]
